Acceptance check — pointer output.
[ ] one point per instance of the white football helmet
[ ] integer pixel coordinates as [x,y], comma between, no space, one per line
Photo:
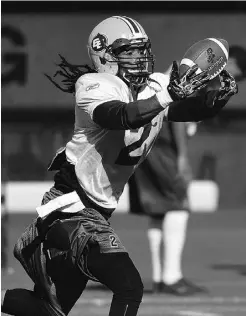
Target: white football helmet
[110,48]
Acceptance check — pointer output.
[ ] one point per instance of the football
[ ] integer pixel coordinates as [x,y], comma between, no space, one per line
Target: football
[209,54]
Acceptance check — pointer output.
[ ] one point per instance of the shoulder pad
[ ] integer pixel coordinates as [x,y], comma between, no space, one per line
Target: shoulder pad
[100,78]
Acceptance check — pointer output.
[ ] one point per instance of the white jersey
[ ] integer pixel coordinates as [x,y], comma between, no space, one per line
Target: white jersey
[105,159]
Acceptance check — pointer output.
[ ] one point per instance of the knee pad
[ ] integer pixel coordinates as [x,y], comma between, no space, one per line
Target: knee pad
[131,294]
[136,294]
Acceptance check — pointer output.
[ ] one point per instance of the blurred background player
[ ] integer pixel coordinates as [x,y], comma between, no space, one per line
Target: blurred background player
[161,182]
[160,185]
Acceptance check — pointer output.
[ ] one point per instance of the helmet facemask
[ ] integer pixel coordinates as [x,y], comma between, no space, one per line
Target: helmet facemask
[134,59]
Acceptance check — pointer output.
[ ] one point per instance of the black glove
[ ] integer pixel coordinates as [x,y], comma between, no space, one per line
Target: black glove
[229,86]
[217,99]
[180,88]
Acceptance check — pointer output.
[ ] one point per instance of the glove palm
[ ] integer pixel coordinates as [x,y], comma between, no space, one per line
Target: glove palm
[189,83]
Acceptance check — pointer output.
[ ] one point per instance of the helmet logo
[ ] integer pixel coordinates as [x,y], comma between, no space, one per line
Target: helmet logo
[99,42]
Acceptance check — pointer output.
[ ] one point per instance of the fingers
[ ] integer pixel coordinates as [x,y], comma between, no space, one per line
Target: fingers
[191,71]
[175,71]
[193,82]
[189,83]
[175,66]
[225,74]
[229,86]
[202,77]
[227,77]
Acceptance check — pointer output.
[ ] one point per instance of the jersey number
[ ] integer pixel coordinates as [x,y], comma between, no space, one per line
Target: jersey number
[124,157]
[113,242]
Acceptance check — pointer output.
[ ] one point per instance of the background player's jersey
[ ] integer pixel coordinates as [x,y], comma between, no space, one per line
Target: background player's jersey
[105,159]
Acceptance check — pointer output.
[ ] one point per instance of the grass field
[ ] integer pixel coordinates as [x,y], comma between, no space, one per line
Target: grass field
[214,256]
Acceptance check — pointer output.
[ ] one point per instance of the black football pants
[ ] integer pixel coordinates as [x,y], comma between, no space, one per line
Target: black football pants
[115,270]
[118,273]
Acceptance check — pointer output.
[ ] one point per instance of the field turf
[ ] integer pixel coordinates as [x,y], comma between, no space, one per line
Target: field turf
[214,256]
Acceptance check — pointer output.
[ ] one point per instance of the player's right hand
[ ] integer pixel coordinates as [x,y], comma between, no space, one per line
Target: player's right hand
[189,83]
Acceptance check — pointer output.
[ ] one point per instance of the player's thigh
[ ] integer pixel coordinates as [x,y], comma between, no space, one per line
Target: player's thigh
[50,264]
[115,270]
[67,284]
[65,242]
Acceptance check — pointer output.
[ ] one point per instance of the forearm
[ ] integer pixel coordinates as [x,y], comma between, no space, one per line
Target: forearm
[193,109]
[119,115]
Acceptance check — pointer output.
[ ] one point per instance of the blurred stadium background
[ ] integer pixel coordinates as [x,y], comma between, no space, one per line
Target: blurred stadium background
[37,119]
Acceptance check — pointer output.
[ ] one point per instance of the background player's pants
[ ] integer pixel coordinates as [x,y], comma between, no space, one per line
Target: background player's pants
[4,241]
[63,262]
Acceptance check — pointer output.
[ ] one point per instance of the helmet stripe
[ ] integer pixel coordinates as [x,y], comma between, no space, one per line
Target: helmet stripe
[127,23]
[140,28]
[134,27]
[133,24]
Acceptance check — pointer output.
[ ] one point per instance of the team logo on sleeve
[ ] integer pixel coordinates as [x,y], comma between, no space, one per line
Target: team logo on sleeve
[92,86]
[99,42]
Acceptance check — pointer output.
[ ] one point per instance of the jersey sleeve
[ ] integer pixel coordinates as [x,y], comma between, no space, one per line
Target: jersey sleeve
[95,89]
[162,78]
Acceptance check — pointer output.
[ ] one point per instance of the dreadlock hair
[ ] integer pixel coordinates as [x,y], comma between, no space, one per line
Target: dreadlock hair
[70,74]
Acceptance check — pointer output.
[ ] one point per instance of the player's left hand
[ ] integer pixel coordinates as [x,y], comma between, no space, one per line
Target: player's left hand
[229,86]
[217,99]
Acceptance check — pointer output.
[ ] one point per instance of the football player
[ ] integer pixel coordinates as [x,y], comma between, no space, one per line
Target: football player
[120,103]
[158,190]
